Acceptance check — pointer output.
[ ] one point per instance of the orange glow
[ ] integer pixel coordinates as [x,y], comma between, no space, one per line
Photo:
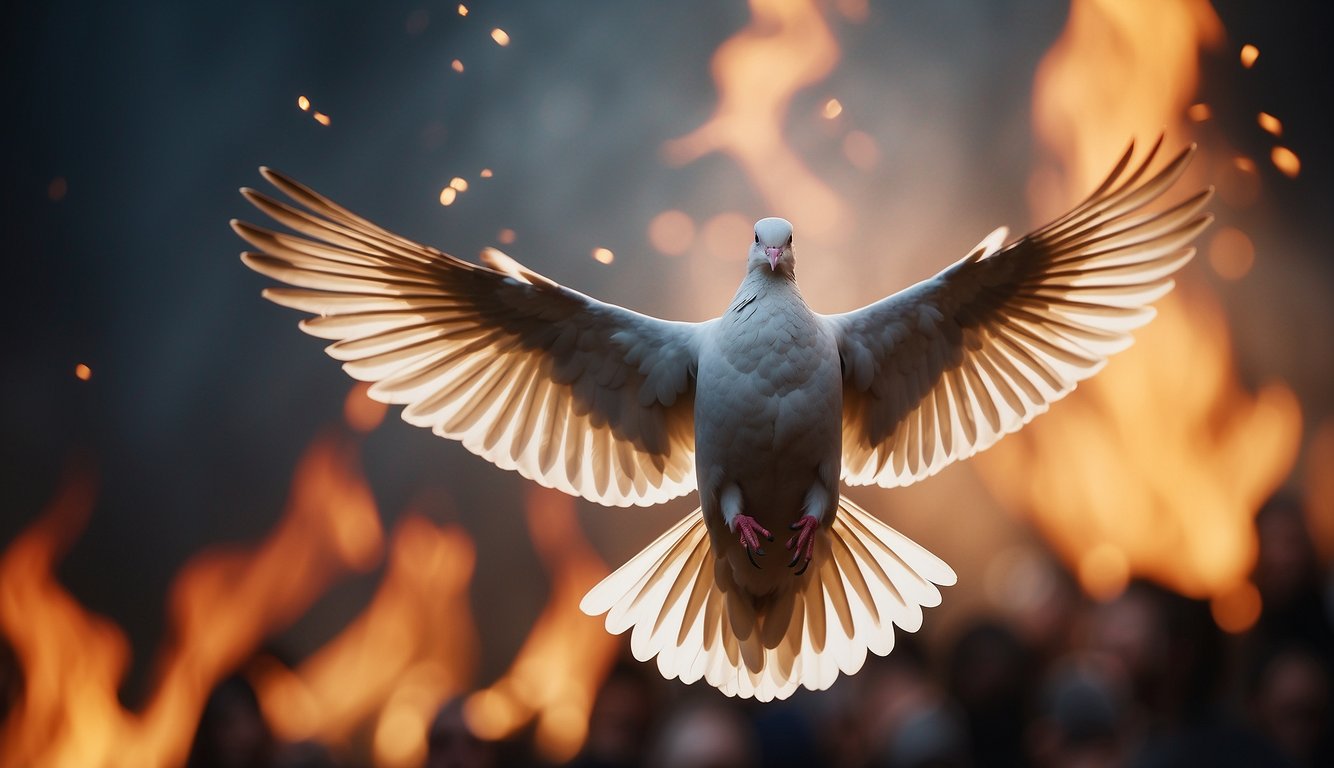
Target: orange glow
[321,118]
[566,656]
[463,9]
[1231,253]
[459,183]
[1286,161]
[603,256]
[671,232]
[1236,610]
[361,412]
[1199,112]
[1156,466]
[786,47]
[506,236]
[861,150]
[832,109]
[486,173]
[448,195]
[726,236]
[303,103]
[411,649]
[1269,123]
[456,65]
[222,604]
[1249,54]
[1319,490]
[82,372]
[501,37]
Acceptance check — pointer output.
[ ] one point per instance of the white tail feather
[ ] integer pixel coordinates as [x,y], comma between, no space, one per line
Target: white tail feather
[686,610]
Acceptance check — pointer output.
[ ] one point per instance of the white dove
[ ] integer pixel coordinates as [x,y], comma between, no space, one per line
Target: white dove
[764,410]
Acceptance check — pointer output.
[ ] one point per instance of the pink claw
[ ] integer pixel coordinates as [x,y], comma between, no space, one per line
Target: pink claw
[803,544]
[749,531]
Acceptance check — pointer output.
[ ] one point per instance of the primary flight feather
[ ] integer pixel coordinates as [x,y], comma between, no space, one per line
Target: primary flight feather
[764,410]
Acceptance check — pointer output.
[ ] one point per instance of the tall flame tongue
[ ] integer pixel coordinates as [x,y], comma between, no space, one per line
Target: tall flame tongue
[223,603]
[1156,466]
[566,656]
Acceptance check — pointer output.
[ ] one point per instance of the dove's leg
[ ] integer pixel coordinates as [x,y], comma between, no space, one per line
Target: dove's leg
[813,511]
[747,529]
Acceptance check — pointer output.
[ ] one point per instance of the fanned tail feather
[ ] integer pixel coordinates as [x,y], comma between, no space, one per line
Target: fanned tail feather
[684,608]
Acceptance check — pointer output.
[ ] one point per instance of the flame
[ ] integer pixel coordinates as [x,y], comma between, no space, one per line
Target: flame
[413,647]
[222,604]
[566,656]
[1156,466]
[787,46]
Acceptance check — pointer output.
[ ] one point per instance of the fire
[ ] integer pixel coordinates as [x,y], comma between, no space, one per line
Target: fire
[1156,466]
[223,603]
[556,675]
[411,649]
[787,46]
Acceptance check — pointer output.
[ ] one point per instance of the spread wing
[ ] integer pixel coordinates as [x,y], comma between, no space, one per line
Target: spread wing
[582,396]
[944,369]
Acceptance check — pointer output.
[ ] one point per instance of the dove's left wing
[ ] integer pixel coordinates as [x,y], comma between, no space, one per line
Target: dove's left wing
[579,395]
[944,369]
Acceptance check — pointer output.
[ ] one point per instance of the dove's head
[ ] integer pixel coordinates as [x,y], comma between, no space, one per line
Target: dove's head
[773,245]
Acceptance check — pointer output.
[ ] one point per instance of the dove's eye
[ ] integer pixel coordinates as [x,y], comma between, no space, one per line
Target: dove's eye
[757,237]
[789,239]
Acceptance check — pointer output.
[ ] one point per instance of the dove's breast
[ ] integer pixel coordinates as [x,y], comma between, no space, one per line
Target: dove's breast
[768,410]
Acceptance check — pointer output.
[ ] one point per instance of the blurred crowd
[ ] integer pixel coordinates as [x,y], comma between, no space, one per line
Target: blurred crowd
[1146,679]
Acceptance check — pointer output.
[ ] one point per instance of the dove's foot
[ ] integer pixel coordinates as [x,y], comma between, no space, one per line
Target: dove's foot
[750,531]
[803,544]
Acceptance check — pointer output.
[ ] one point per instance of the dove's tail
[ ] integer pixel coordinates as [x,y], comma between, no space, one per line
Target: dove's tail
[865,579]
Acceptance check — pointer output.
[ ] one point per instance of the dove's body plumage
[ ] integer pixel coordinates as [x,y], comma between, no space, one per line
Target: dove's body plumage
[771,405]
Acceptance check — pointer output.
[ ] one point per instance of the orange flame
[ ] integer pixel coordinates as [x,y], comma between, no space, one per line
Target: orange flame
[413,647]
[222,604]
[566,656]
[1156,466]
[787,46]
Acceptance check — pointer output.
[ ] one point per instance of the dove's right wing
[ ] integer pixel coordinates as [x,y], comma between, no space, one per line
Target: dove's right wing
[944,369]
[582,396]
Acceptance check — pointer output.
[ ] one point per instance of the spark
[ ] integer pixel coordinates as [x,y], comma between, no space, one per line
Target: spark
[486,173]
[321,118]
[832,109]
[603,256]
[82,372]
[456,65]
[459,184]
[463,9]
[1244,164]
[1270,123]
[506,236]
[1249,54]
[448,195]
[501,37]
[1199,112]
[303,103]
[1286,161]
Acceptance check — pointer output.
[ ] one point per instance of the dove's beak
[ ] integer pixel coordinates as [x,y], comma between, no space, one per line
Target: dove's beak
[774,254]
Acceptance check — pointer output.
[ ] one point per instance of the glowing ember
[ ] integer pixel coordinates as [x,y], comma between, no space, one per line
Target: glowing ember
[321,118]
[459,184]
[1270,123]
[361,412]
[303,103]
[486,173]
[1231,253]
[603,256]
[456,65]
[463,9]
[787,46]
[861,150]
[566,656]
[1244,164]
[1286,161]
[671,232]
[1199,112]
[1237,609]
[82,372]
[506,236]
[501,37]
[448,195]
[1249,54]
[832,109]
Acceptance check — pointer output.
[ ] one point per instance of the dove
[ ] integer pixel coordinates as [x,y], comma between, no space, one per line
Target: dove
[766,411]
